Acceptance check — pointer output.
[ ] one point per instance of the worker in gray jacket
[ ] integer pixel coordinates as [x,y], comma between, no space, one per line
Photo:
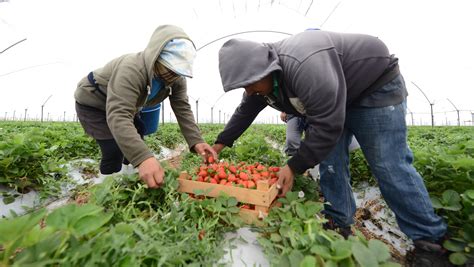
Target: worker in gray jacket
[109,101]
[345,85]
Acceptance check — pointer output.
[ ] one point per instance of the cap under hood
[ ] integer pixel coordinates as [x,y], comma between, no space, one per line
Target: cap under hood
[243,62]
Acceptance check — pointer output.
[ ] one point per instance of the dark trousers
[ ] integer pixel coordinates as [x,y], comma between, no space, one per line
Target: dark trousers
[112,156]
[94,122]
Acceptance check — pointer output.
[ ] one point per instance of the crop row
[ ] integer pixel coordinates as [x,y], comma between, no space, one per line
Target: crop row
[125,223]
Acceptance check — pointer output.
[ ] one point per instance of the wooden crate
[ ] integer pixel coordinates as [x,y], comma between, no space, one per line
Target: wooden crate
[263,197]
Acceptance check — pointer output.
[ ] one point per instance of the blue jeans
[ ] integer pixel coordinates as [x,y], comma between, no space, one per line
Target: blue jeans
[382,135]
[294,133]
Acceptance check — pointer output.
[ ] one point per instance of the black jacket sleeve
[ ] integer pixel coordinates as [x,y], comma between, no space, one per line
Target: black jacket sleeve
[243,116]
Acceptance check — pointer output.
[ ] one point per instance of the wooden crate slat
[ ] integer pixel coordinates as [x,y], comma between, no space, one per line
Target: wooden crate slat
[251,196]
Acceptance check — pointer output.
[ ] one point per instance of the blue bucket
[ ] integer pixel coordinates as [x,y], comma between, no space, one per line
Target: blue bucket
[151,117]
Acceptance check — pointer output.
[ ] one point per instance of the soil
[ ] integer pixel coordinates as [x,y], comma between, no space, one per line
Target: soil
[89,173]
[175,162]
[82,198]
[364,214]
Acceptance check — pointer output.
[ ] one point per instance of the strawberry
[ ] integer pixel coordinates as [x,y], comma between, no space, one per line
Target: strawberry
[210,159]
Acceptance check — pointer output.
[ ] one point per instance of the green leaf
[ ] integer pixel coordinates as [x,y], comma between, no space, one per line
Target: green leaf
[233,209]
[436,202]
[275,237]
[90,223]
[128,261]
[330,263]
[379,249]
[291,196]
[457,258]
[468,232]
[341,250]
[8,200]
[312,208]
[469,193]
[321,251]
[41,251]
[363,255]
[232,202]
[15,228]
[265,242]
[453,245]
[450,201]
[451,197]
[65,216]
[349,262]
[123,228]
[284,261]
[308,261]
[453,207]
[300,211]
[389,264]
[36,235]
[296,257]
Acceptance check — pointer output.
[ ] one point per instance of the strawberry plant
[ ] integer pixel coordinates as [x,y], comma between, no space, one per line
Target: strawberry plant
[26,163]
[458,210]
[295,237]
[138,227]
[25,240]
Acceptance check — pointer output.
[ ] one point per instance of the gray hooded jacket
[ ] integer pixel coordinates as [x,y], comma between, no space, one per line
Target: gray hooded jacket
[320,74]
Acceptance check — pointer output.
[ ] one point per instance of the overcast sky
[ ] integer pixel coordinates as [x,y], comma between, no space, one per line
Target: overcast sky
[68,38]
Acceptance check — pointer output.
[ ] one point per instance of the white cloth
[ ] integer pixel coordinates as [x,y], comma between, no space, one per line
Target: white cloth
[178,56]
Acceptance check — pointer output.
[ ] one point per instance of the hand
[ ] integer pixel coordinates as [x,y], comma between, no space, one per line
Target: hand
[205,150]
[285,180]
[218,147]
[283,116]
[151,172]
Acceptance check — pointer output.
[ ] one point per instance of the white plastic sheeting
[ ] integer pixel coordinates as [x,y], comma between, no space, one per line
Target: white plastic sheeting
[242,249]
[31,200]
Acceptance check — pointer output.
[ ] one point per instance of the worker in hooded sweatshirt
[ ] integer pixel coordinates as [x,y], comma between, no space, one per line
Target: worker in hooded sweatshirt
[344,85]
[109,101]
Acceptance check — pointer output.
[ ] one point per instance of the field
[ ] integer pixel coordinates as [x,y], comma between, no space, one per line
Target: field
[116,221]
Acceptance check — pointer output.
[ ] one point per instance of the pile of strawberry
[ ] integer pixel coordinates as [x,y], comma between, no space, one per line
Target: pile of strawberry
[231,174]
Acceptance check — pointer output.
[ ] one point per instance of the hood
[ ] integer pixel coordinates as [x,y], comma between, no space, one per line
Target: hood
[243,62]
[161,36]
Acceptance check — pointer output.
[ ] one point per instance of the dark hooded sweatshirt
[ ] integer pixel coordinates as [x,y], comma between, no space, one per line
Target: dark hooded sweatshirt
[319,74]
